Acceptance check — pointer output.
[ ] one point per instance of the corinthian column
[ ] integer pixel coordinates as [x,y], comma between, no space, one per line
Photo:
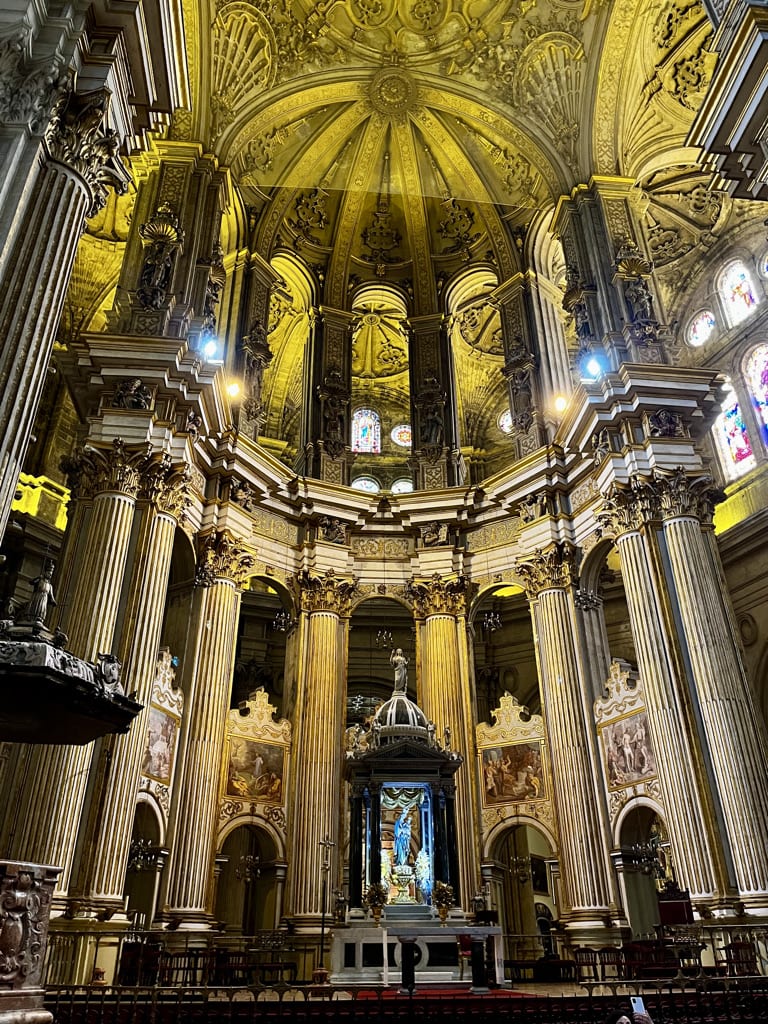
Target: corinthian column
[317,747]
[222,570]
[50,803]
[76,160]
[696,850]
[166,494]
[444,696]
[735,741]
[587,882]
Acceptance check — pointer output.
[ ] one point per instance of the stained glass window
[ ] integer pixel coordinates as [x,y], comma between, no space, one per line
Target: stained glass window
[401,434]
[366,483]
[733,441]
[701,327]
[366,431]
[402,486]
[757,379]
[738,292]
[505,422]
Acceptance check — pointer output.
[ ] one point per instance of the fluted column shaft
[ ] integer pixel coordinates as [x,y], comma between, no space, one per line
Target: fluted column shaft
[445,698]
[53,792]
[138,651]
[697,860]
[212,658]
[316,807]
[731,724]
[583,859]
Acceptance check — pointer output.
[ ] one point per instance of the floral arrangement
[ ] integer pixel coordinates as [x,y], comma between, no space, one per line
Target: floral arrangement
[377,895]
[442,895]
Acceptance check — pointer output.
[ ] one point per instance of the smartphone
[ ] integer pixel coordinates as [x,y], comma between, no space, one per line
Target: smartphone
[638,1006]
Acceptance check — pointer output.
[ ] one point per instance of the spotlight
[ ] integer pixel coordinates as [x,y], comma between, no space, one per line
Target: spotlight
[560,403]
[593,367]
[210,348]
[233,389]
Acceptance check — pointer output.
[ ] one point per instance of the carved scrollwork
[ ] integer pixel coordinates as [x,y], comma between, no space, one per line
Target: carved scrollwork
[553,569]
[439,596]
[220,557]
[328,593]
[25,897]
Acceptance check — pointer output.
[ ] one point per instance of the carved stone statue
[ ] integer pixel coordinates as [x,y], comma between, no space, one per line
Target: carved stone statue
[433,534]
[132,394]
[639,298]
[42,596]
[400,663]
[333,530]
[108,673]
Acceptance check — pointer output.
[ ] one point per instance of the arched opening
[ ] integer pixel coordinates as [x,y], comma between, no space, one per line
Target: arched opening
[265,645]
[146,860]
[504,651]
[646,866]
[376,627]
[249,881]
[522,879]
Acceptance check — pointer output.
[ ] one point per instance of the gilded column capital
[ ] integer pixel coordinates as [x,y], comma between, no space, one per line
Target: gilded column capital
[663,495]
[165,486]
[77,137]
[119,467]
[220,557]
[553,569]
[328,593]
[438,596]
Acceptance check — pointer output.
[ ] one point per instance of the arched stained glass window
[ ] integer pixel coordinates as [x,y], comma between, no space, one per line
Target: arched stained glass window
[757,381]
[402,486]
[733,441]
[701,328]
[737,292]
[366,431]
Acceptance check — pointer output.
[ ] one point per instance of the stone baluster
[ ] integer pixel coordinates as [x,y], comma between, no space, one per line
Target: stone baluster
[76,161]
[736,748]
[165,491]
[696,851]
[445,698]
[222,569]
[589,887]
[316,757]
[51,799]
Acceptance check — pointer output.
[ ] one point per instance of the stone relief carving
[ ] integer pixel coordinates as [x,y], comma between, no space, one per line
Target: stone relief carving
[25,899]
[244,52]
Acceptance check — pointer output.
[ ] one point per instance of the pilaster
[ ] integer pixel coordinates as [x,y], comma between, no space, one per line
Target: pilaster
[588,886]
[325,603]
[440,608]
[222,569]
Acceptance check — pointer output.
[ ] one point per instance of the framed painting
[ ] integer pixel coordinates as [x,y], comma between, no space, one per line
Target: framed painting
[162,731]
[629,756]
[255,770]
[539,879]
[513,773]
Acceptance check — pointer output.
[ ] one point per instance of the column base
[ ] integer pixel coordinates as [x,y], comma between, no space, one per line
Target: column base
[24,1007]
[187,921]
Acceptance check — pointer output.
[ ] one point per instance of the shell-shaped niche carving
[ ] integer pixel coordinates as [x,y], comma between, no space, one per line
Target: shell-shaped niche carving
[549,83]
[243,61]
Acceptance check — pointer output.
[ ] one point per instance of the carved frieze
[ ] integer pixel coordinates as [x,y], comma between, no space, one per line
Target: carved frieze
[439,596]
[222,557]
[328,593]
[553,569]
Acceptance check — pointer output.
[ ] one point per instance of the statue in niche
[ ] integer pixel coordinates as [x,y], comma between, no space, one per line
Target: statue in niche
[432,424]
[333,530]
[400,663]
[42,596]
[639,298]
[132,394]
[402,838]
[433,534]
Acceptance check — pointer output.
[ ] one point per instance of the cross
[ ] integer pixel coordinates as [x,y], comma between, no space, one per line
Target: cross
[327,846]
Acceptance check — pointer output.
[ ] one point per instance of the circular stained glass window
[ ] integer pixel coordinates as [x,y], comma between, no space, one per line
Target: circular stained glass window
[366,483]
[505,422]
[701,328]
[401,434]
[402,486]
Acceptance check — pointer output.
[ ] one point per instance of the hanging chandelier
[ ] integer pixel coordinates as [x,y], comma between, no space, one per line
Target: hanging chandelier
[283,621]
[491,621]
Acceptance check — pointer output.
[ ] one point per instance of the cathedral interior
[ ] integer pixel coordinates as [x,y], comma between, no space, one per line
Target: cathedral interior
[369,326]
